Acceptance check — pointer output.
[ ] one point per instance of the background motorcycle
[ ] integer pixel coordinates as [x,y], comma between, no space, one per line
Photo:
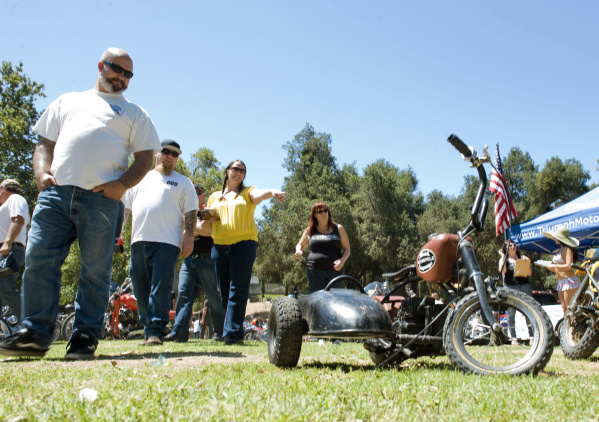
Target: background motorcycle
[579,334]
[122,319]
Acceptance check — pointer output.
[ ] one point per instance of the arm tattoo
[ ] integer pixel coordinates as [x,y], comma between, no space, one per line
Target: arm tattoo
[190,222]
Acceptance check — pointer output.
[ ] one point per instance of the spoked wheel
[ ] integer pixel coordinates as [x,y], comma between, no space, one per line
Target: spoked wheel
[67,327]
[251,335]
[474,347]
[57,330]
[284,332]
[4,329]
[578,337]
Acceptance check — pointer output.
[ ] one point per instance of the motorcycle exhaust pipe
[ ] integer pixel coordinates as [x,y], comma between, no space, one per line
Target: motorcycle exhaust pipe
[405,338]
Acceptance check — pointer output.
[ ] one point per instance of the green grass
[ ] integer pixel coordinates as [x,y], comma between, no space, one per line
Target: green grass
[205,380]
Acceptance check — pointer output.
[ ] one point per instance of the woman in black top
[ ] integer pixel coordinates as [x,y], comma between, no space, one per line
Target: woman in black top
[329,247]
[507,263]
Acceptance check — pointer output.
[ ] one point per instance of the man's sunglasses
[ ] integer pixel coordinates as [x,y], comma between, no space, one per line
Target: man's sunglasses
[115,67]
[169,152]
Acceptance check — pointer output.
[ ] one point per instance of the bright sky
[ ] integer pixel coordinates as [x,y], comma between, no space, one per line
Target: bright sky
[387,79]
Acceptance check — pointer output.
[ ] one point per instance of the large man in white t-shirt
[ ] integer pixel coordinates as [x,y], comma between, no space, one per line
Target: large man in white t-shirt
[82,170]
[14,219]
[164,207]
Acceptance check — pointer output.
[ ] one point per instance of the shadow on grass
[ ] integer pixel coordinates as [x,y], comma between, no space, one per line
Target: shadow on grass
[406,365]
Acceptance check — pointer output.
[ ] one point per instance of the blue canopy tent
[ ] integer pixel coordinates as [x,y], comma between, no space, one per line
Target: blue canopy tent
[580,216]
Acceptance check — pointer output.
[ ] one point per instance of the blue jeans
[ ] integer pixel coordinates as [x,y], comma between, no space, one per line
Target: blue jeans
[152,272]
[197,270]
[318,279]
[8,285]
[511,312]
[233,264]
[63,214]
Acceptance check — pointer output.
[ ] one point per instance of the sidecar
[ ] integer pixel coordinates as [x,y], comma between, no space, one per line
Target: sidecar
[329,313]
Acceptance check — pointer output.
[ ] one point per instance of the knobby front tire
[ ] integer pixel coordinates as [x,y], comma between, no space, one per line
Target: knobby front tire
[284,337]
[486,353]
[578,338]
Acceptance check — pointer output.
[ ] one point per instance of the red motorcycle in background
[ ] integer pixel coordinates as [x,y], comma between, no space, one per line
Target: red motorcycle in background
[122,319]
[256,331]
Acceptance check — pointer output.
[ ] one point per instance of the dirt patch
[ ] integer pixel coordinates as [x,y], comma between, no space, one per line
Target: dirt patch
[137,359]
[257,310]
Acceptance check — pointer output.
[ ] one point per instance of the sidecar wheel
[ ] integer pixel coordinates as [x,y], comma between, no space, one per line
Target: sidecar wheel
[577,338]
[488,353]
[67,327]
[284,337]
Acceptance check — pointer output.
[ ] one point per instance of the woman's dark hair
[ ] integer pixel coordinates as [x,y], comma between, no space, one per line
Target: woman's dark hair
[242,186]
[506,248]
[314,222]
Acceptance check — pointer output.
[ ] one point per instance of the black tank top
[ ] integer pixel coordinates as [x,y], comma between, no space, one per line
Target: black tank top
[324,250]
[202,245]
[510,280]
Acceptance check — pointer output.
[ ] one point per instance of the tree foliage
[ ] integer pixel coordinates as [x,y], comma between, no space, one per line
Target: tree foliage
[18,114]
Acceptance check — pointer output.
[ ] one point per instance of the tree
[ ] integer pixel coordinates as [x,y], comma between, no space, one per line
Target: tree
[313,177]
[205,169]
[18,114]
[386,209]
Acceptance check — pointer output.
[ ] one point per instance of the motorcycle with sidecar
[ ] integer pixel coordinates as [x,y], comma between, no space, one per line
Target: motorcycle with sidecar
[403,323]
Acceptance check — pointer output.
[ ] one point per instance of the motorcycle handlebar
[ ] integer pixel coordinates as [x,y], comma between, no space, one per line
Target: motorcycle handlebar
[578,267]
[459,145]
[483,211]
[479,209]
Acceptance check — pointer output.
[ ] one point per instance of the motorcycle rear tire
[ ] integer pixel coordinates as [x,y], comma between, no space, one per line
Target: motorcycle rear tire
[67,327]
[577,338]
[488,354]
[284,337]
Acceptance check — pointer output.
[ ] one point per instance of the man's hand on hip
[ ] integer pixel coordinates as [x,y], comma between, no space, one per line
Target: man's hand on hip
[113,190]
[5,249]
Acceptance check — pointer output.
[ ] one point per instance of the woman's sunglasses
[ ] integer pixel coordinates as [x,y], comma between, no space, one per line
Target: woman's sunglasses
[237,170]
[116,68]
[321,211]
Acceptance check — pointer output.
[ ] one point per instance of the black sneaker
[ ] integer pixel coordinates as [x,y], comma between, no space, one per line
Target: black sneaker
[81,346]
[171,337]
[218,337]
[22,344]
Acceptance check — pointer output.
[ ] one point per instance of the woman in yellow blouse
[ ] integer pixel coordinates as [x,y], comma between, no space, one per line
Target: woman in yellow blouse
[235,237]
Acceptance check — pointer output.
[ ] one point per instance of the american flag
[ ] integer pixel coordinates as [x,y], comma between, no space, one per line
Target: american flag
[504,208]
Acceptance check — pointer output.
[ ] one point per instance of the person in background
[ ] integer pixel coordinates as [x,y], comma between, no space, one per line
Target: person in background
[329,247]
[507,264]
[14,219]
[164,207]
[196,328]
[235,237]
[567,282]
[81,167]
[205,322]
[198,270]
